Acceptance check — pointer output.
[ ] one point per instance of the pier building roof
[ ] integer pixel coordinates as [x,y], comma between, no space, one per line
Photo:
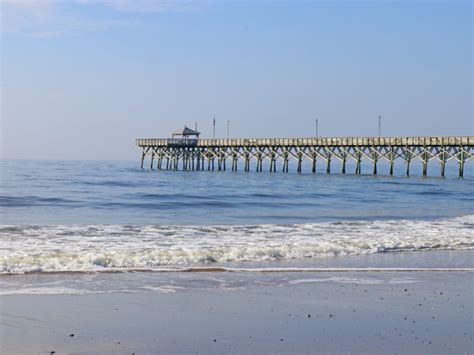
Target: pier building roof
[185,132]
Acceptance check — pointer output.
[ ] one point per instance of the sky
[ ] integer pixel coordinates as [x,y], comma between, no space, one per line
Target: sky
[81,79]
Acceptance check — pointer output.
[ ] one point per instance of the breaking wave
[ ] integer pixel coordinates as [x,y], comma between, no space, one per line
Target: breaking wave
[90,248]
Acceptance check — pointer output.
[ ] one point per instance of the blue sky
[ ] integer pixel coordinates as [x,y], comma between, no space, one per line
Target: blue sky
[81,79]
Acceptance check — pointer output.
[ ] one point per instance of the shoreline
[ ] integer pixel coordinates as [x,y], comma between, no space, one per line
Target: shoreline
[442,260]
[220,269]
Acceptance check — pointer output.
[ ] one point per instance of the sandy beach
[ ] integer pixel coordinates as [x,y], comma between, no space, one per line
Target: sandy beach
[388,312]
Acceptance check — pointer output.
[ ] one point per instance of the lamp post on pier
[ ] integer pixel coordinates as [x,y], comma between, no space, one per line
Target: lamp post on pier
[316,122]
[214,128]
[380,126]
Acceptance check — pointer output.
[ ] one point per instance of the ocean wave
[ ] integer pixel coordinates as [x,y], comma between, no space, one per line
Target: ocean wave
[90,248]
[26,201]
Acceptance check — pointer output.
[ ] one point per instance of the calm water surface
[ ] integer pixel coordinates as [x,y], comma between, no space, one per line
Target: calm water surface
[84,192]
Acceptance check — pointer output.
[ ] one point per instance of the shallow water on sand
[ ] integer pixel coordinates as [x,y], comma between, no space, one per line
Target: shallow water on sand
[239,276]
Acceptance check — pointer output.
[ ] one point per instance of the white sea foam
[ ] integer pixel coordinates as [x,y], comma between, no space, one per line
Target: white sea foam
[45,291]
[69,248]
[82,285]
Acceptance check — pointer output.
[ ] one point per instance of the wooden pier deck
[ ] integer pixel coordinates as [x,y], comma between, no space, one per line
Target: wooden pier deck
[215,154]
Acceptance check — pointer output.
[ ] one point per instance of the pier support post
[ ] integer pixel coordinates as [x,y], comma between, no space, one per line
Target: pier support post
[234,161]
[300,161]
[285,162]
[461,159]
[143,157]
[152,157]
[328,167]
[442,161]
[359,162]
[314,162]
[272,162]
[375,159]
[391,160]
[344,159]
[425,163]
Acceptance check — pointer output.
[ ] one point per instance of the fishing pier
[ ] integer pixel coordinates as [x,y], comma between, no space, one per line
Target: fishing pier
[185,151]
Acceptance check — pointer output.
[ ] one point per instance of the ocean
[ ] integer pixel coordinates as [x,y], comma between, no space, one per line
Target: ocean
[73,217]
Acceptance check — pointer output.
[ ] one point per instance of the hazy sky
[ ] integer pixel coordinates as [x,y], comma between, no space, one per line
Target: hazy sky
[81,79]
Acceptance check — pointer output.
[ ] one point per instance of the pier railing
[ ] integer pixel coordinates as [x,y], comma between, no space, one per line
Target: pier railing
[328,141]
[193,154]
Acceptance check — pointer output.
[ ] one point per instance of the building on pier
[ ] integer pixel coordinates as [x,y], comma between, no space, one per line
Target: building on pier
[186,132]
[185,137]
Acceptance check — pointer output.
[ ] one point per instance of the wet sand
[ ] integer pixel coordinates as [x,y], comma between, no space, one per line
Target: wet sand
[393,312]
